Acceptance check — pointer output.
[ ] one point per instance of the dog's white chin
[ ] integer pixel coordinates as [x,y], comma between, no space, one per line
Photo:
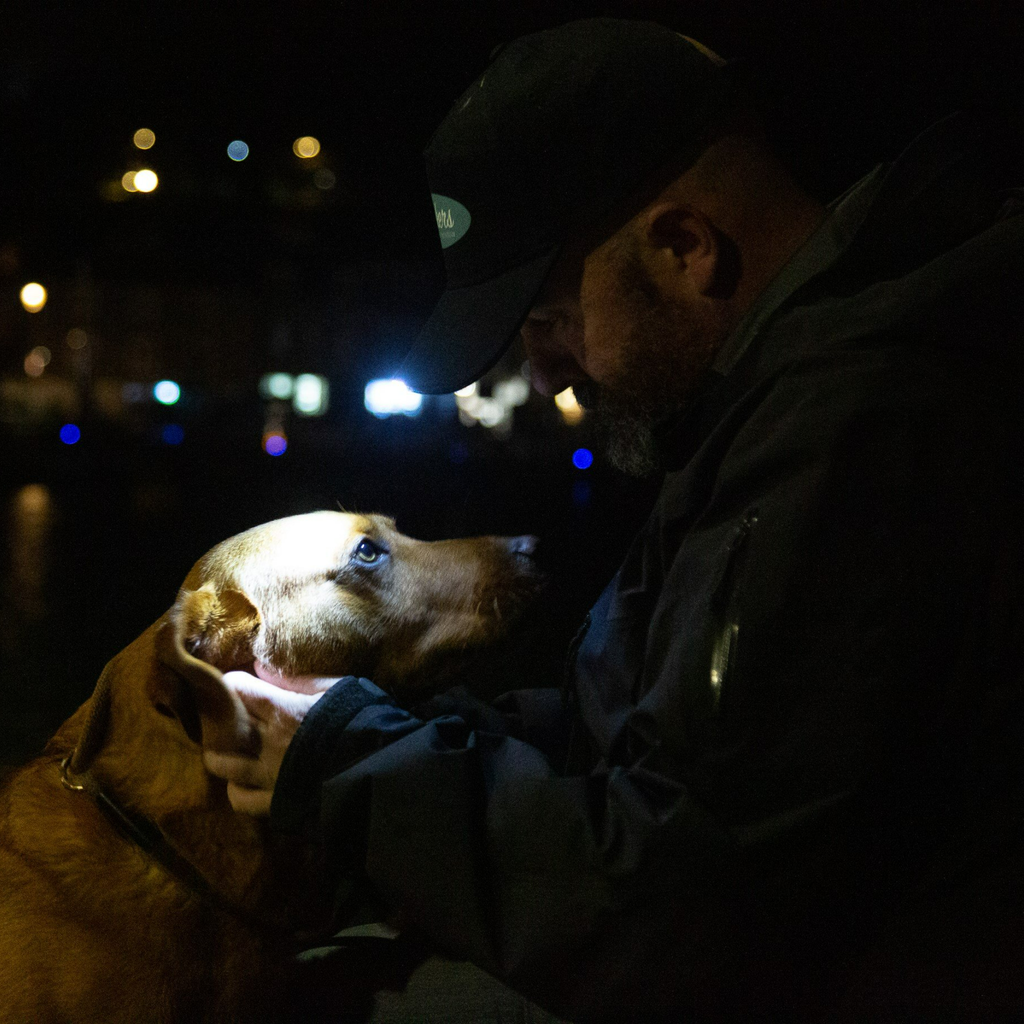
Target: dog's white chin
[297,684]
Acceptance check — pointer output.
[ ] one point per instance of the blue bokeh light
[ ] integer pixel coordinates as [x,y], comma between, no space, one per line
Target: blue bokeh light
[581,493]
[238,150]
[173,433]
[275,444]
[583,458]
[70,434]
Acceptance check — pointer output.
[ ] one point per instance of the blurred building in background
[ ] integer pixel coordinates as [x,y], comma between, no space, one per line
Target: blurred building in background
[217,243]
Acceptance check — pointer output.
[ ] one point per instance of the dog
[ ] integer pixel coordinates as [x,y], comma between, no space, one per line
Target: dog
[129,890]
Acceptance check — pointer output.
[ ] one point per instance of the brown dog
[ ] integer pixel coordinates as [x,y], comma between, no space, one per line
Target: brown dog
[129,890]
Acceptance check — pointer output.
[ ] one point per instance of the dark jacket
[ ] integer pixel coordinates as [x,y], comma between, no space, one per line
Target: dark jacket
[793,786]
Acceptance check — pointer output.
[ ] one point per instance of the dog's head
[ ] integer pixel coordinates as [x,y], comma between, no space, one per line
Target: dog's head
[333,593]
[325,594]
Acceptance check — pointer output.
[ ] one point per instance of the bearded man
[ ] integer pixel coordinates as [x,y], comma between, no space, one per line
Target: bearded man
[784,778]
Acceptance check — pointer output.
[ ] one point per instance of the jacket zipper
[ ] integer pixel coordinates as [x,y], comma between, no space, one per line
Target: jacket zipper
[726,603]
[576,747]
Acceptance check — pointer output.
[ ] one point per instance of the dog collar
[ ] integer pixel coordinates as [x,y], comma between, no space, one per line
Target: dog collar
[147,835]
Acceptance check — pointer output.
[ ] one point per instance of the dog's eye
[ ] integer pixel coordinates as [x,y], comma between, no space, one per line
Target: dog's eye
[367,552]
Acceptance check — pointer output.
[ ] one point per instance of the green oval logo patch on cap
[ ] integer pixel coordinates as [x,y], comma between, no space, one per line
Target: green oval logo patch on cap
[452,219]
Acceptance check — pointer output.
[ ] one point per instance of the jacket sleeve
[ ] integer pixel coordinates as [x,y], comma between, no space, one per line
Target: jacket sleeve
[471,833]
[720,814]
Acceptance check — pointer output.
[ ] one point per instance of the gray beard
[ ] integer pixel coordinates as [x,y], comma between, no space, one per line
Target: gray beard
[626,429]
[663,356]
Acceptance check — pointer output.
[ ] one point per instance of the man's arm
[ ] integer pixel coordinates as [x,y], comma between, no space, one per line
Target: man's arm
[763,832]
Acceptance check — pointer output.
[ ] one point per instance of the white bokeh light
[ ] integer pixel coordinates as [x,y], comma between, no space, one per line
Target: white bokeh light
[391,397]
[166,392]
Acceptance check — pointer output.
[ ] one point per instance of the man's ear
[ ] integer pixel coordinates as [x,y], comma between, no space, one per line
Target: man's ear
[219,627]
[687,251]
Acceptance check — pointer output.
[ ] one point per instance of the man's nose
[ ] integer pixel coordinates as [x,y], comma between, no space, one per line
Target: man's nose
[553,368]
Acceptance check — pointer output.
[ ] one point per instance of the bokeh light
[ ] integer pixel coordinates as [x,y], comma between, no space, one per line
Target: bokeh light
[77,339]
[581,492]
[569,407]
[391,397]
[37,360]
[310,397]
[324,179]
[70,434]
[166,392]
[33,499]
[494,412]
[238,150]
[146,180]
[173,433]
[491,413]
[277,385]
[33,296]
[583,458]
[275,443]
[306,147]
[144,138]
[128,181]
[512,391]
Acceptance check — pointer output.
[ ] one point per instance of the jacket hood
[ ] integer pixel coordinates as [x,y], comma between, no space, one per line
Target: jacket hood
[936,261]
[953,181]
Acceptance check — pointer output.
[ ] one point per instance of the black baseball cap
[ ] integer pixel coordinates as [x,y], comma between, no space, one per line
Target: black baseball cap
[562,127]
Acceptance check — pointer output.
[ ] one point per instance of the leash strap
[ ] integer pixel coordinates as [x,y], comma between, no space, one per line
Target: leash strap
[143,832]
[149,837]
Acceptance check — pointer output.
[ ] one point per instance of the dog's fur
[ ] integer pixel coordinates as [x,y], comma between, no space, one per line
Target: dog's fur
[91,928]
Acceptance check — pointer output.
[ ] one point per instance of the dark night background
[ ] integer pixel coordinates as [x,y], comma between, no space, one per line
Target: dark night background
[229,271]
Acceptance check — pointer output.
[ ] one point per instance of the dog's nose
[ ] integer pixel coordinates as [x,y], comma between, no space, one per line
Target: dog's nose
[525,545]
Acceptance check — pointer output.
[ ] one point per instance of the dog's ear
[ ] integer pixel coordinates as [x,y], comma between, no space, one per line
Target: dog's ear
[219,627]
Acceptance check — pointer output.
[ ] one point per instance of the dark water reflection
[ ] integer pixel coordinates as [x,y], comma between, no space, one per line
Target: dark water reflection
[90,554]
[30,522]
[73,591]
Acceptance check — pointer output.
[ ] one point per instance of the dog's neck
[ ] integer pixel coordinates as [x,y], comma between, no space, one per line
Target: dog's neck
[149,804]
[181,964]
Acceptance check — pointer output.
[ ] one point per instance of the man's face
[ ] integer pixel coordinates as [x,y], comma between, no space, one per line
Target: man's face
[631,353]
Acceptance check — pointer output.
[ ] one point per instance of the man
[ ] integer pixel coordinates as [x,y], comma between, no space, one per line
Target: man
[785,779]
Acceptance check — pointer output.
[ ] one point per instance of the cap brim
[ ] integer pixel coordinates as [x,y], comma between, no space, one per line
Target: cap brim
[471,328]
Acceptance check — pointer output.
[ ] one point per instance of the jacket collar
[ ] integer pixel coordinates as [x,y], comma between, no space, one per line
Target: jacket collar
[940,191]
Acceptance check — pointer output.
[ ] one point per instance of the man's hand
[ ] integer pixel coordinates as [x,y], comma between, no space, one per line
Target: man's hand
[276,708]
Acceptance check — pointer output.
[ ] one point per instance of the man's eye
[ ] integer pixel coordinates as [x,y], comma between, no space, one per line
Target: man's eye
[367,552]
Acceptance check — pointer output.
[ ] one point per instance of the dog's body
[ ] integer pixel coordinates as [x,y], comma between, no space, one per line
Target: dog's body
[95,929]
